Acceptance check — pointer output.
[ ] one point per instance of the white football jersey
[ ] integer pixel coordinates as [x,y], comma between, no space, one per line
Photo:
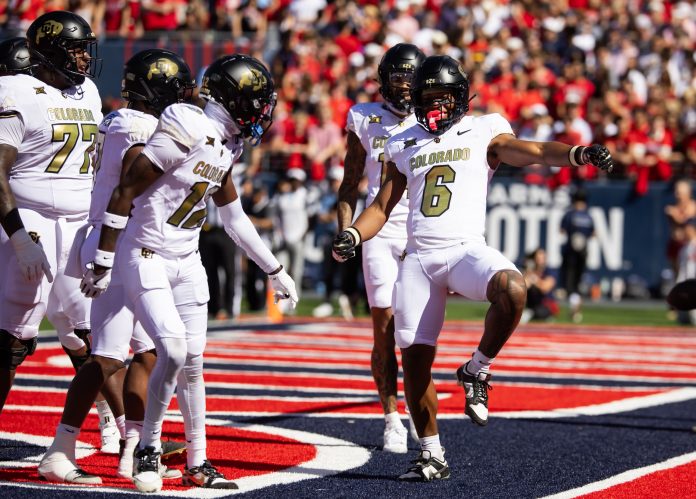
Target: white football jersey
[374,124]
[118,132]
[448,179]
[53,171]
[167,217]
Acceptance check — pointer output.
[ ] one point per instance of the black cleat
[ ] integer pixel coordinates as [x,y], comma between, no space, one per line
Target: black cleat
[476,390]
[426,469]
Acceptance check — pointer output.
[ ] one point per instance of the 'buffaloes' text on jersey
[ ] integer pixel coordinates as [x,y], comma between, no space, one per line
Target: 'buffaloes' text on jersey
[374,124]
[447,179]
[167,216]
[53,171]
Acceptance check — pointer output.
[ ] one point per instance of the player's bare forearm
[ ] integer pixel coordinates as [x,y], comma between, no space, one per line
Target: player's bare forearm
[354,167]
[515,152]
[9,216]
[370,222]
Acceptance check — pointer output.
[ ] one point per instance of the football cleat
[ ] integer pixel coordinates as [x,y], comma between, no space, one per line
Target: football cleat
[146,470]
[109,437]
[207,477]
[172,450]
[395,439]
[426,468]
[476,390]
[56,467]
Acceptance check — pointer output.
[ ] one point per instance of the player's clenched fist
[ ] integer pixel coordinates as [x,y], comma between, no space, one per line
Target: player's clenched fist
[94,284]
[599,156]
[344,244]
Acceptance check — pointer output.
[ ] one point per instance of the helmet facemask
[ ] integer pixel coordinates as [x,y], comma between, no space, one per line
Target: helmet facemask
[397,92]
[73,59]
[438,108]
[254,117]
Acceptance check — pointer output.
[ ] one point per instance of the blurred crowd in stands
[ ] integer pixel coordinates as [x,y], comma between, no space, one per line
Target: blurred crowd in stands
[618,72]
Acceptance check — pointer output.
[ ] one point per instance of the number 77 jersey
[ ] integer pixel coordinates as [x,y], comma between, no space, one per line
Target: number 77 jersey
[194,156]
[447,180]
[53,171]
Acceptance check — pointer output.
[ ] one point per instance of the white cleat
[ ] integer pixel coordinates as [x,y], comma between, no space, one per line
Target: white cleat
[56,467]
[395,439]
[109,437]
[146,470]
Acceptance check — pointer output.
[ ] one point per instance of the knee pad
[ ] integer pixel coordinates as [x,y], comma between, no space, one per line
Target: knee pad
[13,351]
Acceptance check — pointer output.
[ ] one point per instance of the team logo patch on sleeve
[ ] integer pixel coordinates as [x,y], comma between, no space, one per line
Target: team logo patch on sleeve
[210,141]
[375,118]
[34,236]
[40,90]
[409,142]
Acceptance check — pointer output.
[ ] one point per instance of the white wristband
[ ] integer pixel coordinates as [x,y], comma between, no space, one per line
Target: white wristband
[104,258]
[117,222]
[571,156]
[356,235]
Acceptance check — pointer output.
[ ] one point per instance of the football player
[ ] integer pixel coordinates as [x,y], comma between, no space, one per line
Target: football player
[446,161]
[369,125]
[14,57]
[152,80]
[187,160]
[47,134]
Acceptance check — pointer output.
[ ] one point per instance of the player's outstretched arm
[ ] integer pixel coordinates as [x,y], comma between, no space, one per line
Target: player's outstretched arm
[373,218]
[30,255]
[242,231]
[353,170]
[508,149]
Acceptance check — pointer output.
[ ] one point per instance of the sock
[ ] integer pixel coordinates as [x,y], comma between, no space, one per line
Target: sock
[104,412]
[432,445]
[121,424]
[393,419]
[478,363]
[64,443]
[133,429]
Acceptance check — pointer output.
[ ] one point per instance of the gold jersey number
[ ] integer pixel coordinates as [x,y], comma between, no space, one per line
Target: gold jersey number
[196,218]
[69,133]
[436,195]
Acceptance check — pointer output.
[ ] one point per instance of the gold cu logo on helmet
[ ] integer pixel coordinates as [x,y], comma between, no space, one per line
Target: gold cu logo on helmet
[164,67]
[49,28]
[253,78]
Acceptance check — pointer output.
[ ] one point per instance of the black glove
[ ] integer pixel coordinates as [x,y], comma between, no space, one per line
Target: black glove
[344,244]
[599,156]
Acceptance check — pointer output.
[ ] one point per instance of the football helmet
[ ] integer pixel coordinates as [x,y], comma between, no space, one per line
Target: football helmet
[158,78]
[14,57]
[244,87]
[445,77]
[56,38]
[395,73]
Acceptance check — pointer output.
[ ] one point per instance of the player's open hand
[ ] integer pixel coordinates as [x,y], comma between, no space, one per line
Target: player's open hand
[284,287]
[30,257]
[94,284]
[344,245]
[599,156]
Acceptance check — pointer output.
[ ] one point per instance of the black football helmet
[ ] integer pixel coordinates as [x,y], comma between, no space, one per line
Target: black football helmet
[157,77]
[244,87]
[440,72]
[396,68]
[14,57]
[54,38]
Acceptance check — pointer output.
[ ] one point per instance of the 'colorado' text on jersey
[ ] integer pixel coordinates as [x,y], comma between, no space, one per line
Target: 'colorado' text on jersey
[52,174]
[447,179]
[373,125]
[167,217]
[118,132]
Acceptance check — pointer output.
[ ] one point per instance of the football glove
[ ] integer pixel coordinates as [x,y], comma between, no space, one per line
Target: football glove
[344,244]
[599,156]
[30,257]
[284,287]
[93,284]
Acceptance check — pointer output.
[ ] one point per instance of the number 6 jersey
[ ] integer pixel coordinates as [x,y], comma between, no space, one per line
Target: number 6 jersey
[448,178]
[194,155]
[55,138]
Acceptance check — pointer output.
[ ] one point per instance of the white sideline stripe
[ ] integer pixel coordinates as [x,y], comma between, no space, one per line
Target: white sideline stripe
[333,456]
[615,407]
[626,476]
